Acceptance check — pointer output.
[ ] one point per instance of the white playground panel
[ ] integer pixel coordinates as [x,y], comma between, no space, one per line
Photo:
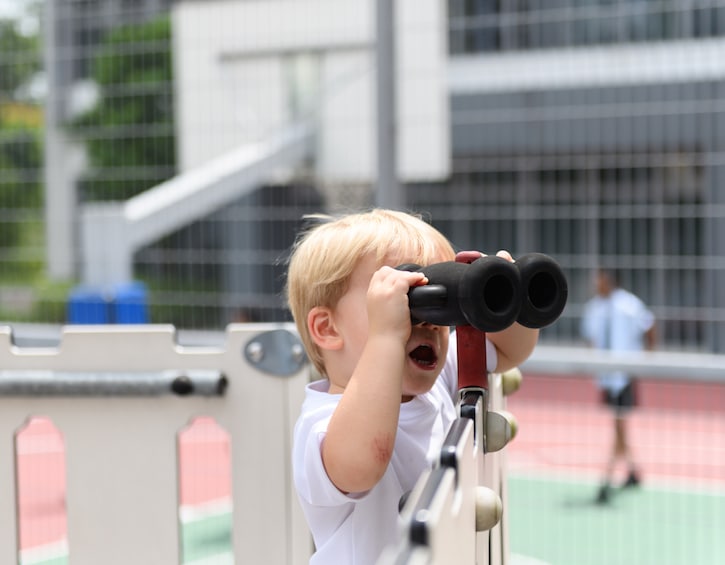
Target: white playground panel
[122,492]
[246,71]
[454,514]
[121,463]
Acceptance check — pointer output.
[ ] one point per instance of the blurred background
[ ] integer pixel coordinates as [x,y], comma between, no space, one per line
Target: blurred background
[591,131]
[157,159]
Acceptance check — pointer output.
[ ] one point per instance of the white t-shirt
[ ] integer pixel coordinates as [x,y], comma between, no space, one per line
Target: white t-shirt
[353,529]
[617,322]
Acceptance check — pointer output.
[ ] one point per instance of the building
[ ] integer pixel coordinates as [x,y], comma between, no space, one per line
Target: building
[589,131]
[595,133]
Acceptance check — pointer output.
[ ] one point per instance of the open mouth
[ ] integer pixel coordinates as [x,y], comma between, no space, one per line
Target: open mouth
[424,356]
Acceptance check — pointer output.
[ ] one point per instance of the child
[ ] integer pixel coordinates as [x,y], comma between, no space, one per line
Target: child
[378,420]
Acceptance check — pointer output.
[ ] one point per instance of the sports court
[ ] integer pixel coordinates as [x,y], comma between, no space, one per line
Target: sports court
[556,461]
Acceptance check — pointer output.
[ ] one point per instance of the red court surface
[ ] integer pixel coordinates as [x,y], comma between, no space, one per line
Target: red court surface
[41,485]
[677,431]
[205,464]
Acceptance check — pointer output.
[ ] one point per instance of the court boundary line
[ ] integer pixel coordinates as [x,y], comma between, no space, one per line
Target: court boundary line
[42,553]
[211,508]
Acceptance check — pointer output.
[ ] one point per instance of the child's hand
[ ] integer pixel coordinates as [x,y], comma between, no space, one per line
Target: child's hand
[505,255]
[502,253]
[387,302]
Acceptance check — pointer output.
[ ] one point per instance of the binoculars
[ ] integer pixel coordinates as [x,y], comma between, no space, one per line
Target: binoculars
[489,293]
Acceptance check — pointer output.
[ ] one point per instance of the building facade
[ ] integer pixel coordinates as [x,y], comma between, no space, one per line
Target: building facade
[594,131]
[591,131]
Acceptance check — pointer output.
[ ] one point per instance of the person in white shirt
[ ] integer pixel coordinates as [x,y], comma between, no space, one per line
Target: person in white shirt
[616,320]
[379,417]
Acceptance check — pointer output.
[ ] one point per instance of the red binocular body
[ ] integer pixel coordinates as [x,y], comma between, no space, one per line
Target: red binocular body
[490,293]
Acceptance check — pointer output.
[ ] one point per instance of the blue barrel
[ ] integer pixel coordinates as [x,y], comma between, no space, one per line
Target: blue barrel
[124,303]
[130,303]
[88,305]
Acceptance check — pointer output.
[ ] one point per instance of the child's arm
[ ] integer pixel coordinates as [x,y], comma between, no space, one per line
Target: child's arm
[361,434]
[513,345]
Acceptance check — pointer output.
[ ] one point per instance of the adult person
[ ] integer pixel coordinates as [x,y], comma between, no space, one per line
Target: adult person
[617,320]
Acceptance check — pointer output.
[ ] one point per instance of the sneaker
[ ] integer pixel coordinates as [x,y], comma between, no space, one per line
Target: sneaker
[603,495]
[632,480]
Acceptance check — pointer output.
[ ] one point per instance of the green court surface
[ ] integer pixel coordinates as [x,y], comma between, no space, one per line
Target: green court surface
[60,560]
[204,541]
[557,522]
[208,540]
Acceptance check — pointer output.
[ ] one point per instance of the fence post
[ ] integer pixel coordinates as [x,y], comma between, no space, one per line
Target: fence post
[107,253]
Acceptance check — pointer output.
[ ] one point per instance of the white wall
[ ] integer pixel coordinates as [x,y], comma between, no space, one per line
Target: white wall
[243,70]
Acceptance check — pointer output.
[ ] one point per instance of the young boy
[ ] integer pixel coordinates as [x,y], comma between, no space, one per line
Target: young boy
[377,421]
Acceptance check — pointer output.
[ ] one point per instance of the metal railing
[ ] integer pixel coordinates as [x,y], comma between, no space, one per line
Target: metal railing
[705,367]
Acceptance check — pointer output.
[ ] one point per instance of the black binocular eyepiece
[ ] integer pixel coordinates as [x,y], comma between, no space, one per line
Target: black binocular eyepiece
[490,293]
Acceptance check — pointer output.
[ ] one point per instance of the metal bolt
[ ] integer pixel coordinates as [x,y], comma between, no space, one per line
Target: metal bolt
[182,385]
[298,353]
[255,352]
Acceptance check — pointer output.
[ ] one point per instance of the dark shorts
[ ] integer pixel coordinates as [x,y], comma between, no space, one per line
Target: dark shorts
[623,401]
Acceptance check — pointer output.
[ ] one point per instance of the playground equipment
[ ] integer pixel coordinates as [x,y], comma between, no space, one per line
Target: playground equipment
[119,396]
[453,515]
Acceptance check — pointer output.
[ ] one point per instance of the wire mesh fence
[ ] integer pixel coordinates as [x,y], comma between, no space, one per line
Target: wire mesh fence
[591,131]
[621,170]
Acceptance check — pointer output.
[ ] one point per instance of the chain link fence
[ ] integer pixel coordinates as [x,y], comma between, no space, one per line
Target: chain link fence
[592,132]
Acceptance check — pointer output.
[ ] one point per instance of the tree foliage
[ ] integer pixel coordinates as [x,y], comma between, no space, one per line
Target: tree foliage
[20,149]
[129,133]
[19,58]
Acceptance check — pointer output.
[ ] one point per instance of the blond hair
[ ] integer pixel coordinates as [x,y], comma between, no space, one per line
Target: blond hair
[324,258]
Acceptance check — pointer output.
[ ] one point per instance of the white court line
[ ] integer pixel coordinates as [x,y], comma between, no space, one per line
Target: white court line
[189,513]
[218,559]
[44,552]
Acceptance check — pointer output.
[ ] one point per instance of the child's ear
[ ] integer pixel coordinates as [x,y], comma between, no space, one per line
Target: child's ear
[321,326]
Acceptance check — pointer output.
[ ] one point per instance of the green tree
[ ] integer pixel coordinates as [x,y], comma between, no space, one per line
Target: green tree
[19,186]
[129,134]
[19,58]
[20,149]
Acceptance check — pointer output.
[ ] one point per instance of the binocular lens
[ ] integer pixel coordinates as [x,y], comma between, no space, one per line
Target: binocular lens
[490,293]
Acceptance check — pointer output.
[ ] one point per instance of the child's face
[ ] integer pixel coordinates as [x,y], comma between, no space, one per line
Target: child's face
[426,348]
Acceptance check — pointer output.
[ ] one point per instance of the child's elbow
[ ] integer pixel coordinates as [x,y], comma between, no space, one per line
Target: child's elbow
[361,469]
[359,480]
